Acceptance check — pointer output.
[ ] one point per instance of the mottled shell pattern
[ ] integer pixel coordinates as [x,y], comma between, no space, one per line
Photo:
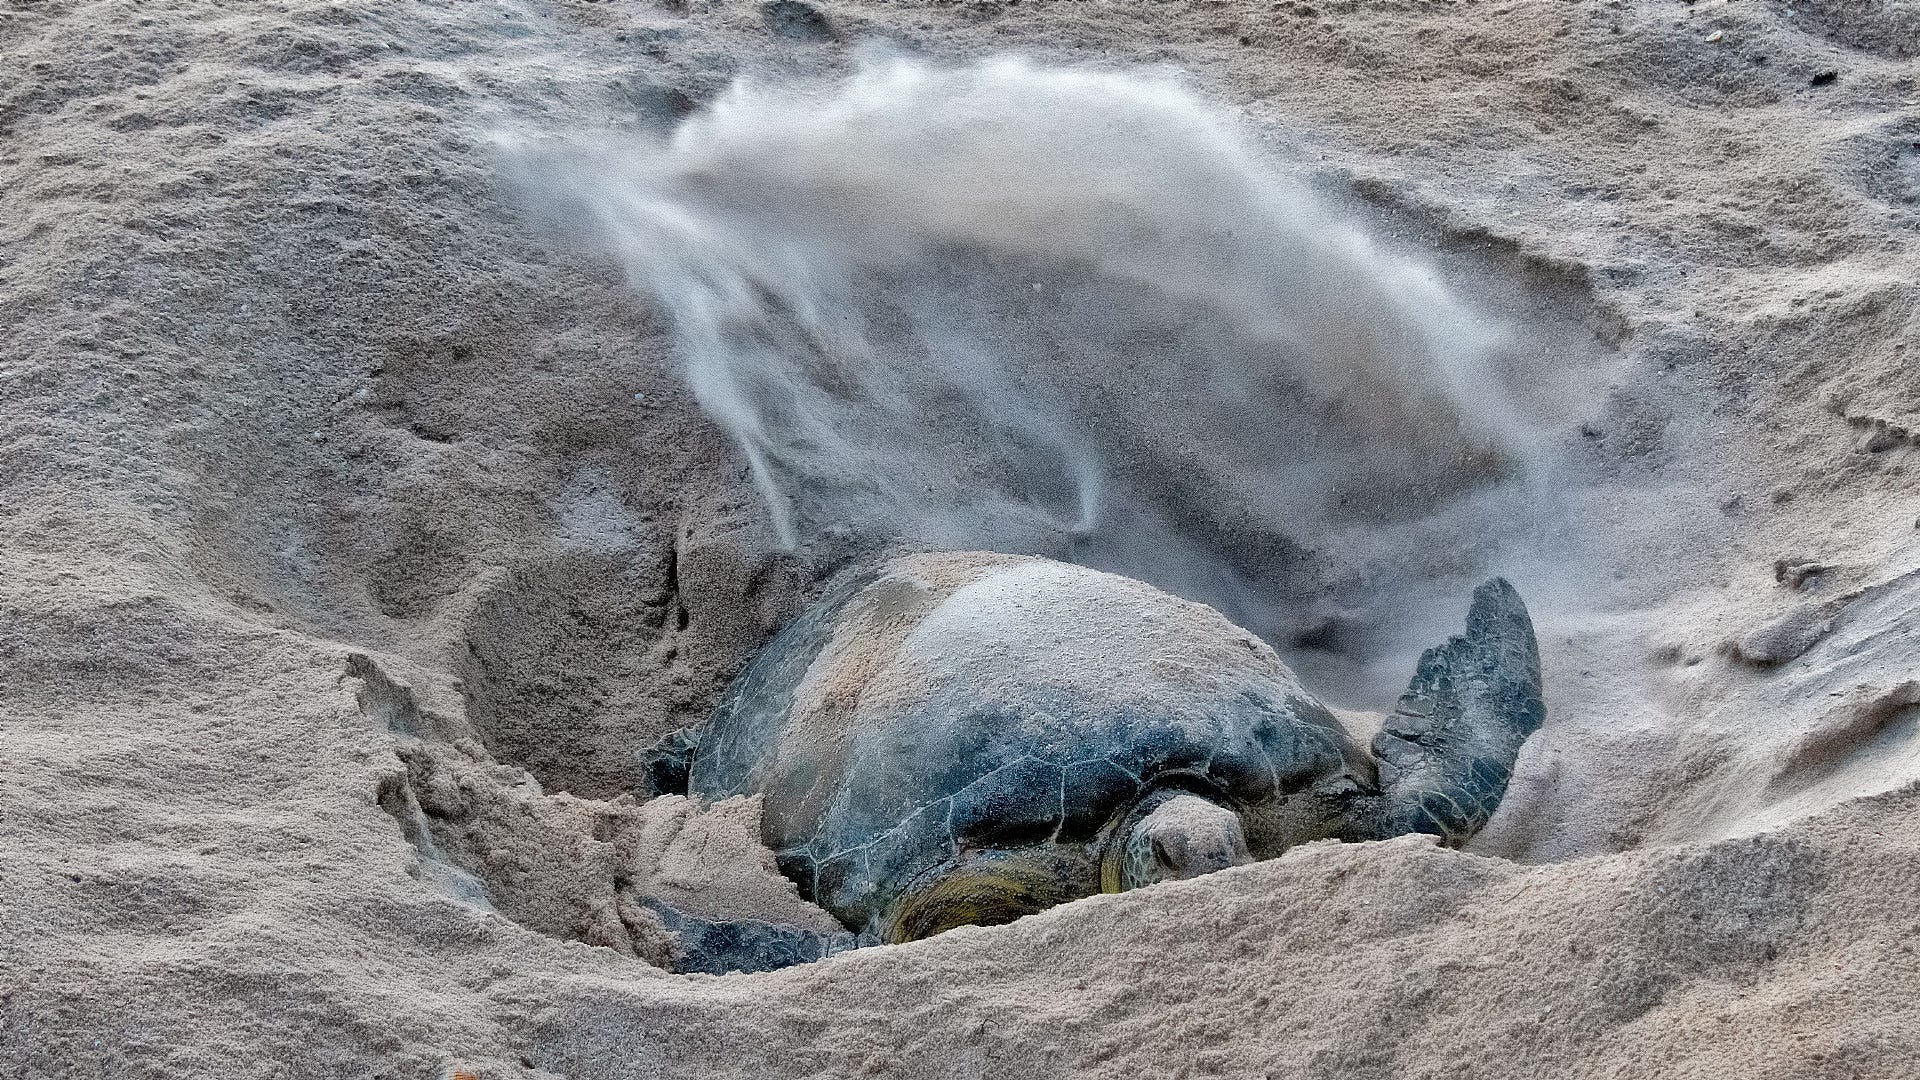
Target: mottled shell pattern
[957,737]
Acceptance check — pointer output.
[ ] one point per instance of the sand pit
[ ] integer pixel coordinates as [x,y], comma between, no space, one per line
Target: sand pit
[365,512]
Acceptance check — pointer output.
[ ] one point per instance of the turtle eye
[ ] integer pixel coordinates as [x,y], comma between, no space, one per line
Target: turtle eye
[1161,855]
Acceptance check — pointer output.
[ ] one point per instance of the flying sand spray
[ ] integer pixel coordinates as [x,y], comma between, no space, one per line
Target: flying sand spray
[1071,312]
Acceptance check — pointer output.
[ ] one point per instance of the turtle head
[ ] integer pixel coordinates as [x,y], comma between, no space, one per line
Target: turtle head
[1172,835]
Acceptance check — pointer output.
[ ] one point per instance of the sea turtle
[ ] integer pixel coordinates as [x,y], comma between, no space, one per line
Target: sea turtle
[958,738]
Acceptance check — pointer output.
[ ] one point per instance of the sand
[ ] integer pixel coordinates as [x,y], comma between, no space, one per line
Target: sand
[357,528]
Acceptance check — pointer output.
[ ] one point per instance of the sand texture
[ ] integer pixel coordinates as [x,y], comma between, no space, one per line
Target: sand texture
[377,478]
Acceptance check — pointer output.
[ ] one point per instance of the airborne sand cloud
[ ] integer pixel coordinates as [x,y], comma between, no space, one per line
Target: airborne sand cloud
[1075,311]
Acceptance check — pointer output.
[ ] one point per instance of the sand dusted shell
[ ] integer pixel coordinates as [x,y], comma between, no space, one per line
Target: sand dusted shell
[957,737]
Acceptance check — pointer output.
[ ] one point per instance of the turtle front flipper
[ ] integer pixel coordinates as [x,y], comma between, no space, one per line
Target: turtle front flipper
[1447,751]
[665,764]
[746,945]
